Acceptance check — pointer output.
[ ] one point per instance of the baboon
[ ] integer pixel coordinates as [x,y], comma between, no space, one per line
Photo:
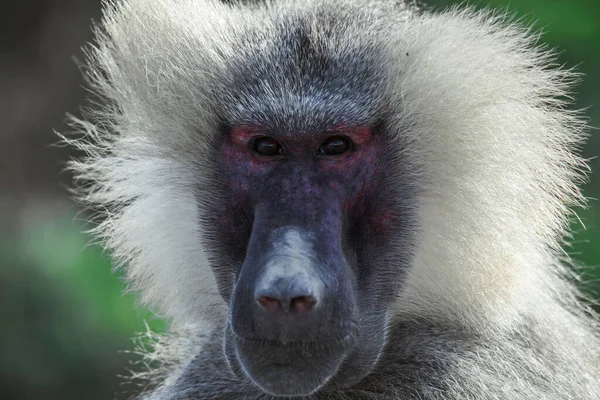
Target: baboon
[351,199]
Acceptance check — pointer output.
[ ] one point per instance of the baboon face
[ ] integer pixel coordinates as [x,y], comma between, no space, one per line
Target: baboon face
[310,234]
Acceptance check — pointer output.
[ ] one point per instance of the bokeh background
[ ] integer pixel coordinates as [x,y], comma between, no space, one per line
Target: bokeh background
[66,331]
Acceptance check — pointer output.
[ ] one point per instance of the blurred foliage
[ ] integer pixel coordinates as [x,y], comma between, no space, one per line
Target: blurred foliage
[66,326]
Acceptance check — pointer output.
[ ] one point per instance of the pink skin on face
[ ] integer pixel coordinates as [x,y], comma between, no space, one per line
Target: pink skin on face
[356,167]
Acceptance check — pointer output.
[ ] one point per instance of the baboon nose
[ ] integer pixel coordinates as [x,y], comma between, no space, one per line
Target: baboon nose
[298,304]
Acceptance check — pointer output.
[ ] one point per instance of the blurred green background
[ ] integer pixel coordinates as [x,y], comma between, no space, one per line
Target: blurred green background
[65,327]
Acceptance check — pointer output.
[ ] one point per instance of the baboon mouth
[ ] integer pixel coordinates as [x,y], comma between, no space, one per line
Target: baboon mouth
[290,369]
[343,343]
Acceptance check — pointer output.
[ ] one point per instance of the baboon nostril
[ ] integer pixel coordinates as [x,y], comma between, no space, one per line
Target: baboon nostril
[299,304]
[269,303]
[302,304]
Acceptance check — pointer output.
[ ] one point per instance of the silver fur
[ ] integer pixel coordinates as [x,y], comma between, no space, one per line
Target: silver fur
[486,311]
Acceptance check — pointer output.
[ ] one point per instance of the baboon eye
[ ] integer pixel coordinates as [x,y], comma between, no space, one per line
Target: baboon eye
[334,146]
[267,146]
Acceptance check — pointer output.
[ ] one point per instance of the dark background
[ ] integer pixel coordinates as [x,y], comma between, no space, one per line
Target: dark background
[65,328]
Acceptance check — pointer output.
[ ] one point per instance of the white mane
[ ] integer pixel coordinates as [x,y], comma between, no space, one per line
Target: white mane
[481,109]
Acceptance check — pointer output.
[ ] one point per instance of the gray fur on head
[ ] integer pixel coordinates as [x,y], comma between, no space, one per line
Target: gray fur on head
[479,111]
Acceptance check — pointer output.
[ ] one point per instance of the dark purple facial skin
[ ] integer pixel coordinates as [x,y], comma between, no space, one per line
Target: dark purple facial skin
[302,234]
